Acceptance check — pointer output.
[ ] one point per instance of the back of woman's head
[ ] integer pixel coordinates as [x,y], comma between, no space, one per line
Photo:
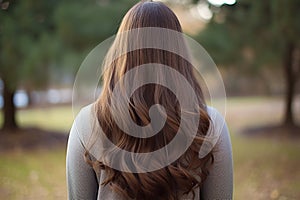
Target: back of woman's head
[150,14]
[188,171]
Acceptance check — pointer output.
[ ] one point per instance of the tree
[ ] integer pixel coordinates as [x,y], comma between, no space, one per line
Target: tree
[267,30]
[23,25]
[38,36]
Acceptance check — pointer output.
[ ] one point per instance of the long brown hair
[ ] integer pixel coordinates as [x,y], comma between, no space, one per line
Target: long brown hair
[189,171]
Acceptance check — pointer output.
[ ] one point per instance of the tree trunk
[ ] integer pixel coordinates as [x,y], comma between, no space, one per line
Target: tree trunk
[9,109]
[290,85]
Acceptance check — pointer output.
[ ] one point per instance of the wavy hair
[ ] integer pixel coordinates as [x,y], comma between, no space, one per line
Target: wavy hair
[188,171]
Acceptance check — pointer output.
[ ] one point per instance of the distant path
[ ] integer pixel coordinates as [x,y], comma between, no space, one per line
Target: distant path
[251,112]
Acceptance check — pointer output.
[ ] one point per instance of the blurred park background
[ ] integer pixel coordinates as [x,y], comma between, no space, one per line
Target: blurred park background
[256,45]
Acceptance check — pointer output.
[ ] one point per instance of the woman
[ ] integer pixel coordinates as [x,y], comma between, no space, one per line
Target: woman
[90,174]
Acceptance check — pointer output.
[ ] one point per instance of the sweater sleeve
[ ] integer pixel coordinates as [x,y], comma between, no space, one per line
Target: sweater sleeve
[81,179]
[219,182]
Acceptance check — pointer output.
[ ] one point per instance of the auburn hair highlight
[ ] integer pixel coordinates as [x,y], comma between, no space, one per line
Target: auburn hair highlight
[189,171]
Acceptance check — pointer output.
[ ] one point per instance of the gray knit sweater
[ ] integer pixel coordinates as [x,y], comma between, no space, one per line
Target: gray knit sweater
[83,182]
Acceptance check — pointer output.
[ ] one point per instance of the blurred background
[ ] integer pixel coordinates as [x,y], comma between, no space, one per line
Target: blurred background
[255,44]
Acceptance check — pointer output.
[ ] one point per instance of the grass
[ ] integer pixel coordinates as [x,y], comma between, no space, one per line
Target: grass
[38,174]
[52,118]
[48,118]
[264,168]
[33,175]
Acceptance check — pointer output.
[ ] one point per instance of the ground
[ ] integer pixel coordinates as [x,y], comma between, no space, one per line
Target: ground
[266,166]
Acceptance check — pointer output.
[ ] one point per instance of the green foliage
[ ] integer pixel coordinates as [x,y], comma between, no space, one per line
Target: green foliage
[43,41]
[82,25]
[252,33]
[25,25]
[38,36]
[218,41]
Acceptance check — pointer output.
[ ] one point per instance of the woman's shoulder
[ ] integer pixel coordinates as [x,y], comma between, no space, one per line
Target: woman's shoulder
[214,113]
[216,133]
[217,119]
[84,116]
[85,111]
[83,122]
